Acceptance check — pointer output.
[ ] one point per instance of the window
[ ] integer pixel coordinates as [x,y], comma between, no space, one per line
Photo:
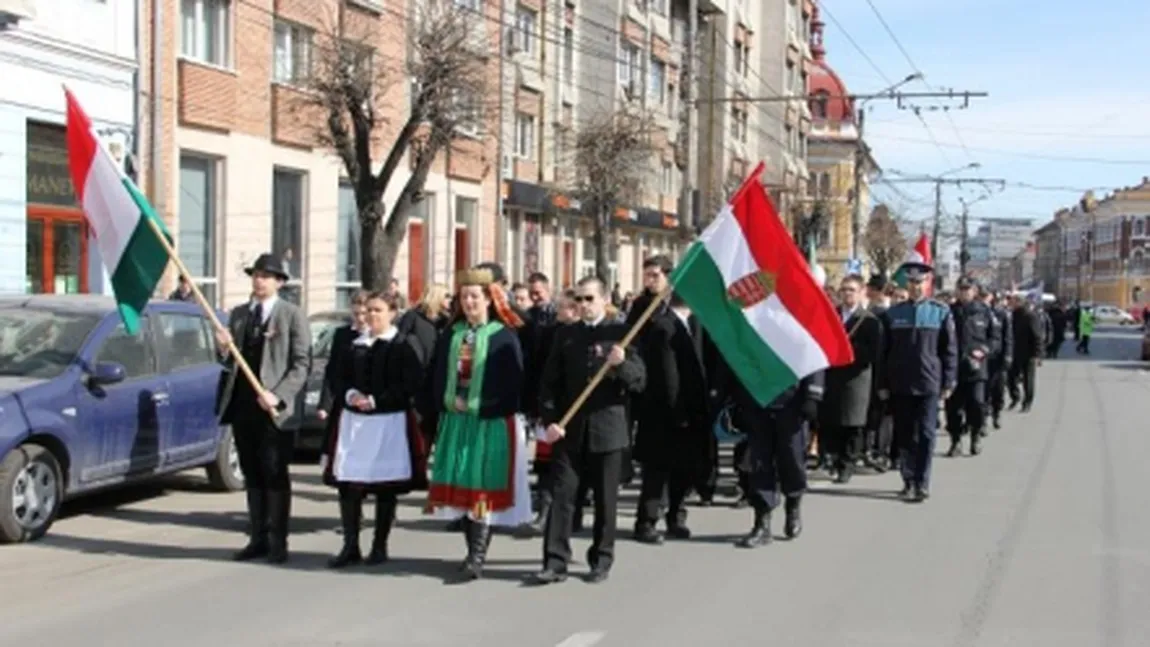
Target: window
[668,178]
[186,341]
[740,123]
[525,136]
[568,56]
[205,30]
[196,234]
[133,352]
[659,7]
[291,52]
[824,185]
[742,58]
[819,105]
[658,80]
[525,21]
[791,78]
[287,227]
[347,273]
[466,211]
[630,64]
[678,30]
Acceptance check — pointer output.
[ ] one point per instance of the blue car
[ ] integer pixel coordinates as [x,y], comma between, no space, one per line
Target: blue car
[85,406]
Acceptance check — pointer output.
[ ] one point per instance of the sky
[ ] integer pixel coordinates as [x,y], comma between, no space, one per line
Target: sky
[1066,105]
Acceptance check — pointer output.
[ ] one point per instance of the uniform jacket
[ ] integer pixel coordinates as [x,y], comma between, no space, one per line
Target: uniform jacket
[849,388]
[1028,334]
[1005,355]
[921,355]
[973,325]
[577,352]
[286,356]
[675,420]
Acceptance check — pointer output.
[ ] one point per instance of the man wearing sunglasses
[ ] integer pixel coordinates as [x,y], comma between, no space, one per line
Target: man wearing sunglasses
[920,368]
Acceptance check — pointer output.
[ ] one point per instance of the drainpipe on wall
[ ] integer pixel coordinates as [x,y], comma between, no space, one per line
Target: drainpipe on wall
[156,131]
[499,248]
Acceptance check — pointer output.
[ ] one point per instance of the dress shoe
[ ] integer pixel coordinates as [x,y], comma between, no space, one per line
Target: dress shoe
[955,449]
[996,422]
[348,556]
[547,576]
[975,446]
[278,553]
[646,534]
[907,492]
[921,494]
[254,550]
[597,575]
[760,534]
[678,531]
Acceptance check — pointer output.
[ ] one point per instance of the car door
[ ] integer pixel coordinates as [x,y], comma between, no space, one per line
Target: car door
[125,419]
[187,355]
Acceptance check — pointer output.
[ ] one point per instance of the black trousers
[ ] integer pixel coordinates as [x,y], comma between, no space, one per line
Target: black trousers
[1022,374]
[709,482]
[845,443]
[742,468]
[264,452]
[776,451]
[966,410]
[915,431]
[657,482]
[996,390]
[602,472]
[1084,344]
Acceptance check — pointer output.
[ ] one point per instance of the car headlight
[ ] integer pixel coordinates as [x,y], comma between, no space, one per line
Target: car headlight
[311,399]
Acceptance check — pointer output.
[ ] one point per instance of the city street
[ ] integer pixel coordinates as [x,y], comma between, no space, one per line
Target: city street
[1042,540]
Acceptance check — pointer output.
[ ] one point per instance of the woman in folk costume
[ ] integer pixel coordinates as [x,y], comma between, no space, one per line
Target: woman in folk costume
[479,464]
[378,448]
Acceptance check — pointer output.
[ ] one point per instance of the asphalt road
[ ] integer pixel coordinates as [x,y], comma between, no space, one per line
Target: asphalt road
[1042,540]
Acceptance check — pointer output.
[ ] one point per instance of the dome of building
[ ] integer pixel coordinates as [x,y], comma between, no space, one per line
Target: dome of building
[828,102]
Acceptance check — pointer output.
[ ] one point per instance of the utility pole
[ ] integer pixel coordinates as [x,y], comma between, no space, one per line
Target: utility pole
[860,161]
[936,226]
[690,105]
[962,238]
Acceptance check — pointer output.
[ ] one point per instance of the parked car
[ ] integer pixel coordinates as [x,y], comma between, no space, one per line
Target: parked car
[86,406]
[305,421]
[1112,315]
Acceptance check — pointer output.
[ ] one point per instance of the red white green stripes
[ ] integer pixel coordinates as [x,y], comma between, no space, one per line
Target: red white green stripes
[793,332]
[118,216]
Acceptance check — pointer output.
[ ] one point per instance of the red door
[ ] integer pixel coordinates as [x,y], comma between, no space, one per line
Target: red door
[57,248]
[415,262]
[462,249]
[568,263]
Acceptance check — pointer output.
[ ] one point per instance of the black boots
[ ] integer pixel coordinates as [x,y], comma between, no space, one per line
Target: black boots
[793,523]
[279,512]
[478,537]
[350,515]
[258,528]
[760,534]
[384,518]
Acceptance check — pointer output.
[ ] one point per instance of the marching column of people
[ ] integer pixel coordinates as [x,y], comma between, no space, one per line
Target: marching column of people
[444,397]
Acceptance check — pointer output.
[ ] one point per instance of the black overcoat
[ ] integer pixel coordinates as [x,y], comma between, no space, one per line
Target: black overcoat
[848,389]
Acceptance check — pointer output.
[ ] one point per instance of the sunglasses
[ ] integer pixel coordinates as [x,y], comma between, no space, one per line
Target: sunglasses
[583,298]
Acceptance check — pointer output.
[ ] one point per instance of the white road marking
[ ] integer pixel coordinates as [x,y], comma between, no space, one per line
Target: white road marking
[583,639]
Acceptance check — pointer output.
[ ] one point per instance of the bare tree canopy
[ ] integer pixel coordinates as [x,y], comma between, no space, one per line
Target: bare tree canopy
[447,80]
[885,244]
[613,165]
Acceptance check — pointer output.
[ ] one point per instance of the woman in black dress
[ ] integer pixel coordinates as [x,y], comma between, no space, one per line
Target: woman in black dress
[377,448]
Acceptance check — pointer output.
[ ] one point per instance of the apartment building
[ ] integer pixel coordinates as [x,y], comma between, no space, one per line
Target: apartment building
[1048,252]
[567,62]
[786,62]
[44,241]
[243,172]
[1107,248]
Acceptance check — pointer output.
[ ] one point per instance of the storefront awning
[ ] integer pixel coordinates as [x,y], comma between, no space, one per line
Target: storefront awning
[539,199]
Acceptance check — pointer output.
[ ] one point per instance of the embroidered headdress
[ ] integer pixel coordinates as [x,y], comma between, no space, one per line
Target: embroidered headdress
[500,303]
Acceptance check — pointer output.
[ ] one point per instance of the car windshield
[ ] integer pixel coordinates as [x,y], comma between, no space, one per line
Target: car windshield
[322,333]
[40,343]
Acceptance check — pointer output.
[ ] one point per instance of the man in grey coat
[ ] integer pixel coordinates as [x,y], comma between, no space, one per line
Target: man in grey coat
[272,336]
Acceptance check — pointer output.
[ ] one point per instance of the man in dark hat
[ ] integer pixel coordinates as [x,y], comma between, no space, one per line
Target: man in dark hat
[975,330]
[272,336]
[920,368]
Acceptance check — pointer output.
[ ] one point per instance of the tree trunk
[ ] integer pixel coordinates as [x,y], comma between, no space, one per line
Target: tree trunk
[377,253]
[602,254]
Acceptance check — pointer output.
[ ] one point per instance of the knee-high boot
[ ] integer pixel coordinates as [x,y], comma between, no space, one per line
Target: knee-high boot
[279,508]
[350,515]
[258,531]
[385,505]
[478,541]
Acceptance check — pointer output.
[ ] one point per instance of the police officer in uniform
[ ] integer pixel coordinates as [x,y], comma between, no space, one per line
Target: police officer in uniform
[776,449]
[966,407]
[920,369]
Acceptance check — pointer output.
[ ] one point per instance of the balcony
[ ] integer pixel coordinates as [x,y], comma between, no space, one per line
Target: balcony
[208,96]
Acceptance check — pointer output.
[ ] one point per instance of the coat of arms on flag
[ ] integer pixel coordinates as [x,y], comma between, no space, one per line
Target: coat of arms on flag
[752,289]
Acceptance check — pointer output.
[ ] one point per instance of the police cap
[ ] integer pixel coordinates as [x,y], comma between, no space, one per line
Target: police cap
[966,283]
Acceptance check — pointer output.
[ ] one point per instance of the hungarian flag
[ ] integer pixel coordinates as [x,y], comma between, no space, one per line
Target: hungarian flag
[118,215]
[920,254]
[753,292]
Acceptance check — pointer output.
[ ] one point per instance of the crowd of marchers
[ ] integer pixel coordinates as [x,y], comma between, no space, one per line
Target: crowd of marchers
[454,395]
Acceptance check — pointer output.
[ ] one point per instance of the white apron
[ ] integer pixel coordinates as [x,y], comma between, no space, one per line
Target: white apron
[372,449]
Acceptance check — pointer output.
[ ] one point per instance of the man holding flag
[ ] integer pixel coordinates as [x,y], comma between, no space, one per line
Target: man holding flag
[753,292]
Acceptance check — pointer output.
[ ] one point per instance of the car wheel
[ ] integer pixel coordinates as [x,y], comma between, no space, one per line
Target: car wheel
[31,489]
[224,473]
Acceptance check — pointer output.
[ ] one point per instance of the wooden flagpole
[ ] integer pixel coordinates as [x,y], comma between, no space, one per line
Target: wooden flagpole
[207,307]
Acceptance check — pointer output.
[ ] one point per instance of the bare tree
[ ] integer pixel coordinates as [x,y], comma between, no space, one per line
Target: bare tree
[613,165]
[885,243]
[450,91]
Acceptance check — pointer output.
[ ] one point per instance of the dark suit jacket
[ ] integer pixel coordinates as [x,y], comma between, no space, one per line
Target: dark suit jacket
[577,353]
[849,388]
[286,356]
